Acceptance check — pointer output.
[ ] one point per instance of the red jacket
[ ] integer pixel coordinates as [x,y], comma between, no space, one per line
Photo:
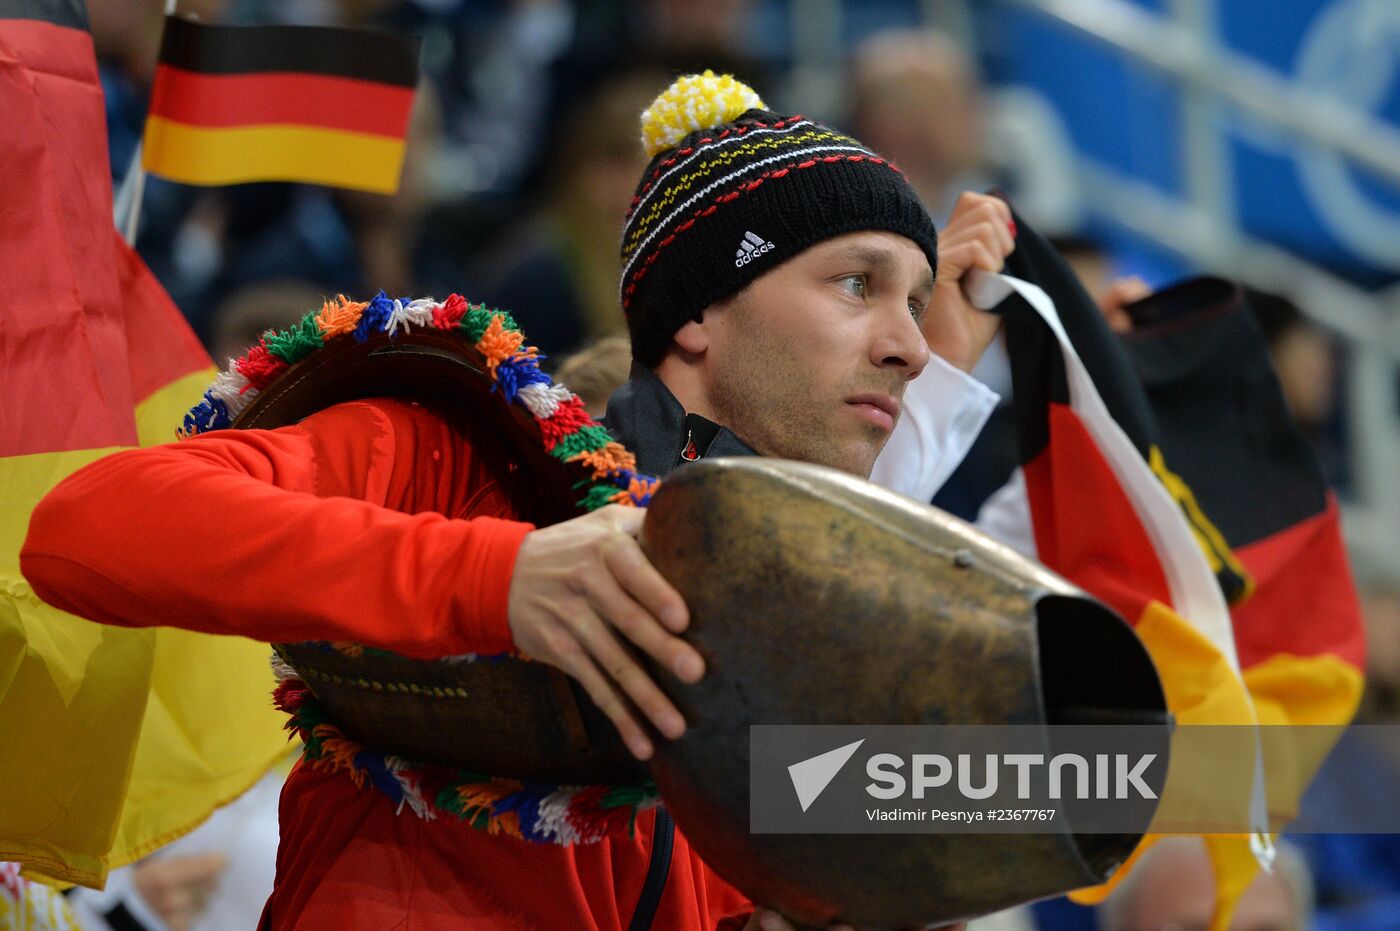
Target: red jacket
[377,522]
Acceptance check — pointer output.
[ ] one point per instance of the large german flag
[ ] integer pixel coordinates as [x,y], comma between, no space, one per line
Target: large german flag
[1230,438]
[107,747]
[323,105]
[1210,596]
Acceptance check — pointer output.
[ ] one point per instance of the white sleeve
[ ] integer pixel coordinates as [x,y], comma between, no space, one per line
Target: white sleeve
[944,410]
[1006,516]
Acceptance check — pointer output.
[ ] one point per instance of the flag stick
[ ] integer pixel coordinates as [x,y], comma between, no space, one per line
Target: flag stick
[127,211]
[128,208]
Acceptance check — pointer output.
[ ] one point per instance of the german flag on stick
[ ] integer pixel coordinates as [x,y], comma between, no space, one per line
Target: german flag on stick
[322,105]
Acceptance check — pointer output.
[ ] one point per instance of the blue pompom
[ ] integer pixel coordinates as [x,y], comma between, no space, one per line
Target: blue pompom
[375,319]
[526,805]
[208,414]
[379,774]
[514,374]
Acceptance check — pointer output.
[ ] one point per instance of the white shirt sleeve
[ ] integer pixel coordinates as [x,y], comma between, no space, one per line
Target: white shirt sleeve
[944,410]
[1006,516]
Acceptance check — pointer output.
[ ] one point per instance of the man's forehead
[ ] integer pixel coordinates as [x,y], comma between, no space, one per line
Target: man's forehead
[883,250]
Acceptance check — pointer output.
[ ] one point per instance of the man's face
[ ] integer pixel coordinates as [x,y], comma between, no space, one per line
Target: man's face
[810,361]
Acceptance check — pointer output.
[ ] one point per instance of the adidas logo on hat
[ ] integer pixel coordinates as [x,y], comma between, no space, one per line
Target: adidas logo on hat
[750,248]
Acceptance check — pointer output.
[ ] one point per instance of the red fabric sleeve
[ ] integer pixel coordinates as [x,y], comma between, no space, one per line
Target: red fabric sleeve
[370,522]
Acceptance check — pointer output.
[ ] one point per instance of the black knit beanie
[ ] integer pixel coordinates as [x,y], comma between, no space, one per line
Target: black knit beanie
[734,190]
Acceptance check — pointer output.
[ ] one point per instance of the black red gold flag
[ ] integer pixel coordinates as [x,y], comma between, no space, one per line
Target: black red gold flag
[1230,438]
[317,104]
[1134,456]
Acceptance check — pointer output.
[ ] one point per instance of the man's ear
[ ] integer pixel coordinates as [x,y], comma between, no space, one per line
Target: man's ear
[694,337]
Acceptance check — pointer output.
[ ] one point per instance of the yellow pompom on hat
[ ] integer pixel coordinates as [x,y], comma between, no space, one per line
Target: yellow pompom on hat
[733,190]
[695,101]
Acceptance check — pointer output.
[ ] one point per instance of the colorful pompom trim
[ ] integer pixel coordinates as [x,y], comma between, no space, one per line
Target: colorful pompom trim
[607,474]
[537,812]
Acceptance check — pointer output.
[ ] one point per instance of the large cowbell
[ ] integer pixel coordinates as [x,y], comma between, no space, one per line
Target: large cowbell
[818,598]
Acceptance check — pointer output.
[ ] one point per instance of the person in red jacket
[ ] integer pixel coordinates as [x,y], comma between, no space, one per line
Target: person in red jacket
[780,291]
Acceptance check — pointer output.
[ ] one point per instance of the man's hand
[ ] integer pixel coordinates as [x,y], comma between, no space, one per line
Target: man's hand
[765,919]
[576,586]
[979,234]
[1115,298]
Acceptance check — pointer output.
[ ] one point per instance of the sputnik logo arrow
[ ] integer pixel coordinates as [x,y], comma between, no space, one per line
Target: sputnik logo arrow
[811,776]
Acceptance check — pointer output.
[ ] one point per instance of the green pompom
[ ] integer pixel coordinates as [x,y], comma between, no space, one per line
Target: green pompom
[475,321]
[629,795]
[585,439]
[599,496]
[296,342]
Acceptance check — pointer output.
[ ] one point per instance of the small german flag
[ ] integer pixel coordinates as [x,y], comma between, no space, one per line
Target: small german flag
[322,105]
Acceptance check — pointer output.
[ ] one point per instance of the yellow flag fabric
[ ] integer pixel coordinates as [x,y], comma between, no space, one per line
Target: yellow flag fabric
[117,741]
[1285,690]
[1202,689]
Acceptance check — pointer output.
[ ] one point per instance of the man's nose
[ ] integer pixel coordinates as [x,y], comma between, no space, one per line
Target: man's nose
[900,344]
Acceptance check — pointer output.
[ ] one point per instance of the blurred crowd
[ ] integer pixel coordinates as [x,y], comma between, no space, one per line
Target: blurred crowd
[523,155]
[522,158]
[523,152]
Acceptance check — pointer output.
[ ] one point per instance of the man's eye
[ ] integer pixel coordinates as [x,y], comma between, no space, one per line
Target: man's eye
[916,310]
[855,285]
